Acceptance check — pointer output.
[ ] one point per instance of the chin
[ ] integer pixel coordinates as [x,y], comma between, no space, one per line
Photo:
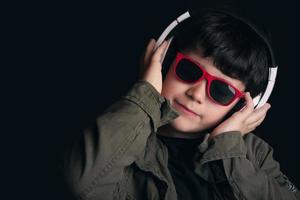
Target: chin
[185,127]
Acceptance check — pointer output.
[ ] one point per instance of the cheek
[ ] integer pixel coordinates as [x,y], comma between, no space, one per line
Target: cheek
[170,86]
[215,109]
[221,111]
[169,89]
[216,112]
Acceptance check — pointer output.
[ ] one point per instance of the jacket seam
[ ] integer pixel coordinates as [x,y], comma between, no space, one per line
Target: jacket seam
[218,156]
[156,96]
[138,102]
[110,164]
[154,92]
[239,194]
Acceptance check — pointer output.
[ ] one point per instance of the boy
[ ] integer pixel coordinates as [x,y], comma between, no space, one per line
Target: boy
[169,139]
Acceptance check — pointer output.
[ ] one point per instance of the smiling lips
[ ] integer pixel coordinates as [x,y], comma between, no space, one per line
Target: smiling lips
[185,109]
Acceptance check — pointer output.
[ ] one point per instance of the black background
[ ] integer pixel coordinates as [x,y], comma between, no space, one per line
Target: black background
[71,60]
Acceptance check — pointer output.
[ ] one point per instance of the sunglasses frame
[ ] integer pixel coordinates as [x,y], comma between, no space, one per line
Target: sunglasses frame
[208,77]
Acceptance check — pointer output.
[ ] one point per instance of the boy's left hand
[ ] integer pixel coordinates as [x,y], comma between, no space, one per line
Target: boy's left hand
[245,120]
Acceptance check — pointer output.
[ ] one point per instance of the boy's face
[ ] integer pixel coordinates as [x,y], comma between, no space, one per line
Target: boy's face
[206,113]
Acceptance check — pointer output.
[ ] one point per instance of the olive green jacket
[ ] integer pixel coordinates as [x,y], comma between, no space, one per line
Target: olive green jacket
[121,157]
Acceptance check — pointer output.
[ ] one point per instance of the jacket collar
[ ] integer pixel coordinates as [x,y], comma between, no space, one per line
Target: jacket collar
[155,161]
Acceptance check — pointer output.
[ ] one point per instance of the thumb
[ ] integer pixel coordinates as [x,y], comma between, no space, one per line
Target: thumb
[159,52]
[149,51]
[146,56]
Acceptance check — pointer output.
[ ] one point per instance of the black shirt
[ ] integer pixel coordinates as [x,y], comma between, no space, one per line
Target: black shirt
[181,153]
[181,165]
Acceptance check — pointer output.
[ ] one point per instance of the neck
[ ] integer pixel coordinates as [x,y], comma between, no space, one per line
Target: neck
[169,131]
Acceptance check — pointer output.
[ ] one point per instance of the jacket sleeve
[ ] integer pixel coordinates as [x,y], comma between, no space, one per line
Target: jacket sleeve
[99,155]
[249,167]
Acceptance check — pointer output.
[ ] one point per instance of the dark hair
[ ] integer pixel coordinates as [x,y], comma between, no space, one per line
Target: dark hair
[236,49]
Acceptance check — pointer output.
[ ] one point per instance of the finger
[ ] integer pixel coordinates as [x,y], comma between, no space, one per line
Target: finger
[256,119]
[256,124]
[149,51]
[146,56]
[249,105]
[159,52]
[264,108]
[258,113]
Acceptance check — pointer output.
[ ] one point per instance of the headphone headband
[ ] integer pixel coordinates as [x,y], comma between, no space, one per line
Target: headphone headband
[262,98]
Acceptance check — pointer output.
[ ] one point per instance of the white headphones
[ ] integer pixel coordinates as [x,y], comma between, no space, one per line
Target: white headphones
[260,99]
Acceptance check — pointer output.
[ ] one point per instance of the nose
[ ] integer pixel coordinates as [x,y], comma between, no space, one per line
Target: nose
[197,92]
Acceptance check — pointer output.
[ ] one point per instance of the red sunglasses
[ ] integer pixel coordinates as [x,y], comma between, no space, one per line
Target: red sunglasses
[219,90]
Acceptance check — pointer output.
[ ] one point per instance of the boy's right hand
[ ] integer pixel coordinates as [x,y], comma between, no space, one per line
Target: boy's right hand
[151,65]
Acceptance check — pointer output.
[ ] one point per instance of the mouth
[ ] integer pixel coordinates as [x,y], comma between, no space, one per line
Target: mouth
[184,109]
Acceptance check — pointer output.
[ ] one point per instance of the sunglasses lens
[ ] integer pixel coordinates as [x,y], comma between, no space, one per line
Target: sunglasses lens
[221,92]
[188,71]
